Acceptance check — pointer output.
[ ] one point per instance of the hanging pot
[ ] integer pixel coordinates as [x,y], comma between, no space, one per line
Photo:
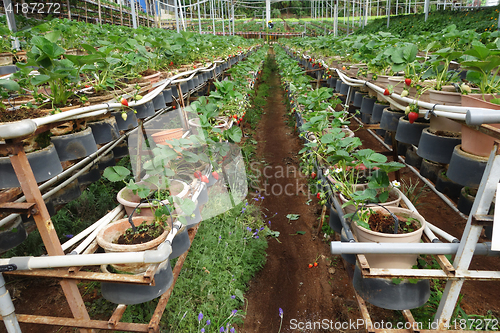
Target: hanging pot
[105,130]
[466,199]
[444,97]
[390,119]
[466,169]
[106,161]
[159,102]
[351,208]
[367,105]
[410,133]
[378,109]
[167,95]
[74,145]
[12,234]
[145,110]
[181,243]
[430,169]
[358,99]
[447,186]
[45,164]
[129,123]
[435,147]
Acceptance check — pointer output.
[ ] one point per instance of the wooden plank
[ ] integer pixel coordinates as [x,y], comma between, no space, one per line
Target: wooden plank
[88,324]
[18,207]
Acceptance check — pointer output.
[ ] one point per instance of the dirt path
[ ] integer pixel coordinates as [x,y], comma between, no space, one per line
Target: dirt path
[304,294]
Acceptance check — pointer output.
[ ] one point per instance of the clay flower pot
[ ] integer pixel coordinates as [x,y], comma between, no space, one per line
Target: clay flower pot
[107,237]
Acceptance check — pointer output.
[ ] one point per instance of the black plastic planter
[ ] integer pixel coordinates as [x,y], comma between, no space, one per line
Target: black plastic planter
[12,234]
[367,104]
[436,148]
[334,222]
[129,123]
[121,150]
[385,294]
[105,130]
[430,170]
[465,201]
[159,102]
[106,161]
[167,95]
[180,244]
[358,99]
[338,85]
[466,169]
[390,119]
[410,133]
[378,109]
[123,293]
[350,258]
[447,186]
[344,88]
[146,110]
[68,193]
[45,164]
[74,145]
[92,175]
[411,158]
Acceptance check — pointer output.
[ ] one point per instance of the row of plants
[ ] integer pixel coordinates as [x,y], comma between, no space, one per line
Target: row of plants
[478,19]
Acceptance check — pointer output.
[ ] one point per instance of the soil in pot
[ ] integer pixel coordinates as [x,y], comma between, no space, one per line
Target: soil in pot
[384,223]
[145,232]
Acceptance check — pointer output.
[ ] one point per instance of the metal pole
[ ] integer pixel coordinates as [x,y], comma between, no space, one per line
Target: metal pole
[222,15]
[212,14]
[134,21]
[232,10]
[182,16]
[199,17]
[426,9]
[11,22]
[388,11]
[336,19]
[347,16]
[176,16]
[268,16]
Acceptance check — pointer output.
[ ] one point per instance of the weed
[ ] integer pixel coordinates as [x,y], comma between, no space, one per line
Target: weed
[412,192]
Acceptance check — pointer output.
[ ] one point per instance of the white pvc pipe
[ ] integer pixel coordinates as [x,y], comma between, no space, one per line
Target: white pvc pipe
[148,257]
[406,248]
[7,309]
[104,220]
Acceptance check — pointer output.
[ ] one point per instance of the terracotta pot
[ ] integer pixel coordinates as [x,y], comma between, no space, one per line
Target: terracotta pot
[445,97]
[390,260]
[473,141]
[108,235]
[162,137]
[444,124]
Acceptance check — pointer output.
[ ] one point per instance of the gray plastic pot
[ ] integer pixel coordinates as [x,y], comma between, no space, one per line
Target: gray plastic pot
[68,193]
[106,161]
[436,148]
[159,102]
[180,244]
[466,169]
[167,95]
[105,130]
[358,99]
[430,170]
[123,293]
[377,111]
[146,110]
[447,186]
[129,123]
[411,158]
[9,69]
[92,175]
[12,235]
[344,88]
[74,145]
[388,295]
[121,150]
[45,164]
[410,133]
[192,221]
[338,85]
[367,104]
[390,119]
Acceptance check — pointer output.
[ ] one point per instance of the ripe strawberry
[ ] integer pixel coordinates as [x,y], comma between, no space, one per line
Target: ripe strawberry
[171,63]
[204,179]
[412,116]
[235,116]
[386,92]
[124,101]
[87,86]
[310,265]
[343,68]
[315,264]
[215,175]
[197,174]
[407,82]
[313,175]
[318,195]
[194,67]
[173,107]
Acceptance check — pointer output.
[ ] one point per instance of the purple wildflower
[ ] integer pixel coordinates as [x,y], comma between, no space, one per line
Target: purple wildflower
[249,229]
[233,312]
[208,322]
[202,330]
[222,330]
[69,236]
[256,237]
[233,297]
[232,330]
[281,312]
[200,317]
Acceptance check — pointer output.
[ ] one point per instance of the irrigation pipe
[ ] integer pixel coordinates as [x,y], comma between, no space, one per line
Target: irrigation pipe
[407,248]
[148,257]
[102,221]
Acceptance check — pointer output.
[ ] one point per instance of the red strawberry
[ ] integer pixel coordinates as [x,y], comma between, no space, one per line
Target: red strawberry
[235,116]
[194,67]
[215,175]
[387,92]
[412,116]
[87,86]
[310,265]
[407,82]
[318,195]
[313,175]
[197,174]
[315,264]
[124,101]
[173,106]
[171,63]
[204,179]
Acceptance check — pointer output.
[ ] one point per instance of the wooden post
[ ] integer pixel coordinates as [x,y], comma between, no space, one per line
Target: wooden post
[86,13]
[111,13]
[69,9]
[146,2]
[121,14]
[44,224]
